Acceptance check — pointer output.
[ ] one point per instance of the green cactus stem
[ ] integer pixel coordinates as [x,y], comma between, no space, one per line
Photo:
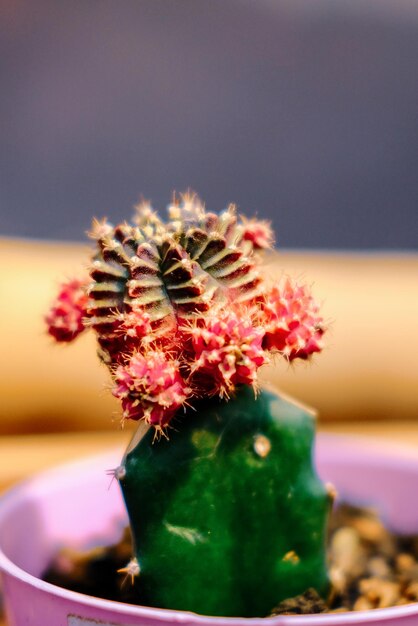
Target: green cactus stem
[228,516]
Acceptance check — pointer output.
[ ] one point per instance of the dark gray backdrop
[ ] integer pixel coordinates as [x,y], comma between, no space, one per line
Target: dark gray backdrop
[305,111]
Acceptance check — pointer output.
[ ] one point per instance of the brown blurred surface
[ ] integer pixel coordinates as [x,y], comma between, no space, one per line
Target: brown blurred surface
[368,370]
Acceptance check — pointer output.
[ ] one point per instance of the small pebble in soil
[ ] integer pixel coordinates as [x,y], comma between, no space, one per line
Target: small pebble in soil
[370,568]
[308,602]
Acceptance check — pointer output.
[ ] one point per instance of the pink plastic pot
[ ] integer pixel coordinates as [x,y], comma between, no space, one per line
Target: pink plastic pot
[73,505]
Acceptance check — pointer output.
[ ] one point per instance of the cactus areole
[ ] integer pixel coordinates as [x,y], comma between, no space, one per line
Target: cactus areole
[227,514]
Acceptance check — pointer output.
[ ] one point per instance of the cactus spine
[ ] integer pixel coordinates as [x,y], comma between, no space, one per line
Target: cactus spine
[227,514]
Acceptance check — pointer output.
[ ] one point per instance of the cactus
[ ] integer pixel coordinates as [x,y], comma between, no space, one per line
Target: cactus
[227,514]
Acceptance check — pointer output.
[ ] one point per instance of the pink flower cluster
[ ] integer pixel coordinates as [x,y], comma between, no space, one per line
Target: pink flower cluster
[66,318]
[150,387]
[292,324]
[259,233]
[227,351]
[213,354]
[156,372]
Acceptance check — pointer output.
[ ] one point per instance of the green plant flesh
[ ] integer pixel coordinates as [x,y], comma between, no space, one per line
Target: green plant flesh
[228,516]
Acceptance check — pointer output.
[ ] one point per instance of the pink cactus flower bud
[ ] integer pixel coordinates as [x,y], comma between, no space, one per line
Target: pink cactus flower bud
[227,352]
[137,324]
[259,232]
[150,387]
[66,318]
[292,323]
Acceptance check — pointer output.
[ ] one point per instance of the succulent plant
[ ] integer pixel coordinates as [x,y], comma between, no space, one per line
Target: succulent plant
[227,514]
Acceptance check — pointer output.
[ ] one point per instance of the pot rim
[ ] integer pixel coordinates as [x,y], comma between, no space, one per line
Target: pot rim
[380,451]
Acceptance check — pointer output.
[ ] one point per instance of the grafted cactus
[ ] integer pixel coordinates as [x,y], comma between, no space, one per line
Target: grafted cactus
[170,272]
[227,514]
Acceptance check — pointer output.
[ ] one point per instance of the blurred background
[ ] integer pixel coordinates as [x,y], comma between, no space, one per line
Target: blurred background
[302,111]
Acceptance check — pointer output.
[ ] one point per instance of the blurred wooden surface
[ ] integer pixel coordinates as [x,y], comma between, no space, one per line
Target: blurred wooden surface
[23,455]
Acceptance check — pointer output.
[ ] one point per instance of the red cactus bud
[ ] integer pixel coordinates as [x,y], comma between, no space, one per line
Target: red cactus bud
[259,233]
[227,351]
[65,319]
[137,323]
[150,387]
[293,326]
